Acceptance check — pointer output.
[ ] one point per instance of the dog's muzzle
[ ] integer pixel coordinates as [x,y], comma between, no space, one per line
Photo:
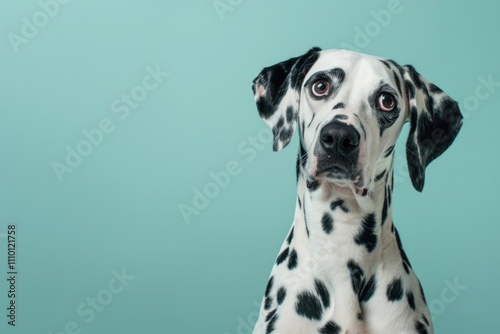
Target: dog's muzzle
[337,151]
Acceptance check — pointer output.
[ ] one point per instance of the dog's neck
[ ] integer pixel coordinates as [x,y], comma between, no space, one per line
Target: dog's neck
[343,238]
[329,217]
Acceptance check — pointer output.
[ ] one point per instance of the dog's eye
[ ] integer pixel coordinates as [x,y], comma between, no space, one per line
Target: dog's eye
[386,102]
[320,88]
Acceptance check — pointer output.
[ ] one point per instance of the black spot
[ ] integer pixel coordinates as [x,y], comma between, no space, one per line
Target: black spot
[357,276]
[363,129]
[392,227]
[309,306]
[379,176]
[384,207]
[389,194]
[413,120]
[415,77]
[312,184]
[272,322]
[282,257]
[289,114]
[286,134]
[429,101]
[415,168]
[322,292]
[305,217]
[400,69]
[301,160]
[395,290]
[361,125]
[276,145]
[420,327]
[339,105]
[386,64]
[406,261]
[270,315]
[327,223]
[435,89]
[280,296]
[422,292]
[339,203]
[340,116]
[366,236]
[280,123]
[368,290]
[267,303]
[338,75]
[269,286]
[411,300]
[398,82]
[425,320]
[292,260]
[410,88]
[389,151]
[331,327]
[312,119]
[290,236]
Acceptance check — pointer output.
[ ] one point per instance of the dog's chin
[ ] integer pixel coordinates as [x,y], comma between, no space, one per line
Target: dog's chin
[343,178]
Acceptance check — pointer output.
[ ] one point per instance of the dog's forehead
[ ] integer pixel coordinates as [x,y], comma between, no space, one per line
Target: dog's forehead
[371,68]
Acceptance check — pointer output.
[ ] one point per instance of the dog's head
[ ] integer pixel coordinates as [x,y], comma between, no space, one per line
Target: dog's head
[350,109]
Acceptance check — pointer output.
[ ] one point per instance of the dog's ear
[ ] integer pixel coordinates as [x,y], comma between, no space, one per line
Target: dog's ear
[277,94]
[435,120]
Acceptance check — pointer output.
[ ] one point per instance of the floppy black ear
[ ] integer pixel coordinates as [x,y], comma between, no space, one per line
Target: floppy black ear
[277,94]
[435,120]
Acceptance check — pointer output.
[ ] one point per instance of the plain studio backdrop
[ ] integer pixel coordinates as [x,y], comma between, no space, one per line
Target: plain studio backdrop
[141,182]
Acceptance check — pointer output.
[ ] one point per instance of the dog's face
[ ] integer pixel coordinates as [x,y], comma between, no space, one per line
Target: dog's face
[352,112]
[350,109]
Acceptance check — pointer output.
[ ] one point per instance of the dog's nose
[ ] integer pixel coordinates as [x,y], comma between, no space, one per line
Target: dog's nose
[339,139]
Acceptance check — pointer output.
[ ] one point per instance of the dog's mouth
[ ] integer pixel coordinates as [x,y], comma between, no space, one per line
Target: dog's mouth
[333,172]
[343,176]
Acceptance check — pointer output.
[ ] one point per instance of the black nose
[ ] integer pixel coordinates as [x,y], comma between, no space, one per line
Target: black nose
[340,139]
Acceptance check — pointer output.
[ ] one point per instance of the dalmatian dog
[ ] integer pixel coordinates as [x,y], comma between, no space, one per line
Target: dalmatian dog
[342,268]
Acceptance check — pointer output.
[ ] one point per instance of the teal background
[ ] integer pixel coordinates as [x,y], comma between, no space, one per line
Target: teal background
[120,207]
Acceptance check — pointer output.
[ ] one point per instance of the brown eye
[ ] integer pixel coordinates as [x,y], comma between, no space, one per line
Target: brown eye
[386,102]
[320,88]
